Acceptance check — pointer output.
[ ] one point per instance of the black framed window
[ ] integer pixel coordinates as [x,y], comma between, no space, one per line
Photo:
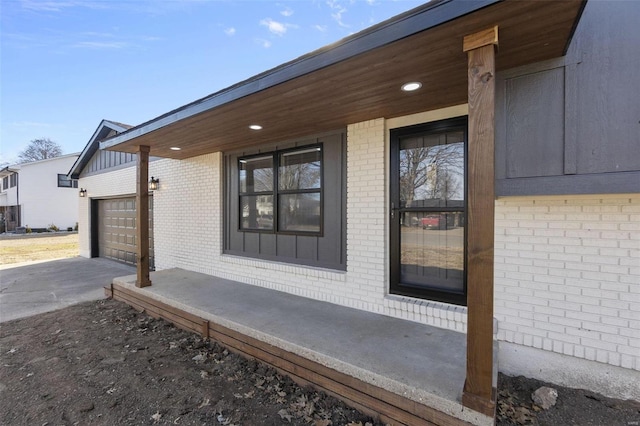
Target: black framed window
[281,191]
[13,180]
[5,182]
[65,181]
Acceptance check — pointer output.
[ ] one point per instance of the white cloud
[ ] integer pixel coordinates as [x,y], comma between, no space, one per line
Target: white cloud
[337,11]
[30,124]
[230,31]
[321,28]
[58,6]
[151,38]
[264,43]
[101,44]
[46,6]
[275,27]
[287,12]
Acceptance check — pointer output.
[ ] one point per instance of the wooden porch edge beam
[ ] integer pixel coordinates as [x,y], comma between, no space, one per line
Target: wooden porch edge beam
[480,39]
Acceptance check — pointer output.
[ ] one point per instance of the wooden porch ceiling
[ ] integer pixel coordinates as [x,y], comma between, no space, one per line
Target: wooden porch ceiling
[362,87]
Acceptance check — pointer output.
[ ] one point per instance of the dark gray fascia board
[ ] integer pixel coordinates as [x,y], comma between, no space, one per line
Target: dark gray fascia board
[91,148]
[575,26]
[412,22]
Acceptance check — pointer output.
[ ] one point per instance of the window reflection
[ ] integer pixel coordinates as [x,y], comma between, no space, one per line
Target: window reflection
[256,174]
[432,170]
[432,249]
[299,212]
[300,169]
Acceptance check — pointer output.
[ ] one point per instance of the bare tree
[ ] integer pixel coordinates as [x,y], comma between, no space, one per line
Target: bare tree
[40,149]
[413,172]
[431,172]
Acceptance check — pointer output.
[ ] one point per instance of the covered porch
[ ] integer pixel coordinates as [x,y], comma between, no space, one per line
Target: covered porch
[406,372]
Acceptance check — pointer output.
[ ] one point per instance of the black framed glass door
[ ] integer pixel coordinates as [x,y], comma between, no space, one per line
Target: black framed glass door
[428,205]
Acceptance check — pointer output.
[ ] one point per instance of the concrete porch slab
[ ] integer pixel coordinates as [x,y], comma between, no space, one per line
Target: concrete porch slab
[421,363]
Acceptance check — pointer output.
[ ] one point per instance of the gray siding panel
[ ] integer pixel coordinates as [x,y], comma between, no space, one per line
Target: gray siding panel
[268,245]
[107,160]
[608,77]
[539,150]
[334,184]
[572,125]
[251,242]
[286,246]
[325,250]
[306,247]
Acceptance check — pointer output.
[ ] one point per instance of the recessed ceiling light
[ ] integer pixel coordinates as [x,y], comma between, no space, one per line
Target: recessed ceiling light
[175,148]
[255,127]
[411,86]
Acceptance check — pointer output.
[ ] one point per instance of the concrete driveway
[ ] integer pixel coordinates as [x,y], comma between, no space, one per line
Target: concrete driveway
[27,290]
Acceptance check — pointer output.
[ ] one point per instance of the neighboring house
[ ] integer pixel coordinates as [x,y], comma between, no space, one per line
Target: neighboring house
[357,193]
[39,194]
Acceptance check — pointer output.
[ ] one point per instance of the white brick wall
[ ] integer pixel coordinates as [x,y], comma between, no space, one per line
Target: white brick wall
[187,213]
[567,276]
[366,212]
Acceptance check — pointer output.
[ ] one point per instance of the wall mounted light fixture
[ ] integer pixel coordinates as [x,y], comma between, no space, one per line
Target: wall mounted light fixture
[83,192]
[154,184]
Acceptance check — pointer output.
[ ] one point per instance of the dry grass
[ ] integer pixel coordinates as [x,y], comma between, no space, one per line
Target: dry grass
[29,248]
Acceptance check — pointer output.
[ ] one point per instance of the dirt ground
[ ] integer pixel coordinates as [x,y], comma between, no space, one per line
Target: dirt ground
[24,248]
[105,363]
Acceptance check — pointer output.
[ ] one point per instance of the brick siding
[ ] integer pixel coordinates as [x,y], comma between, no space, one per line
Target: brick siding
[567,276]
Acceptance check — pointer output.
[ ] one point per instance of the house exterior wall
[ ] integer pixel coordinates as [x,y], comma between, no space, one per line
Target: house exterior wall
[117,183]
[9,197]
[188,227]
[567,283]
[42,202]
[567,280]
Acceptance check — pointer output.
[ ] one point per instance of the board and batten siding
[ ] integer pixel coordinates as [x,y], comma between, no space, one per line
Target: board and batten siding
[572,125]
[103,160]
[106,161]
[327,250]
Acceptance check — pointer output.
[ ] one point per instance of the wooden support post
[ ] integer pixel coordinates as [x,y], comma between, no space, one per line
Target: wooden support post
[142,217]
[479,393]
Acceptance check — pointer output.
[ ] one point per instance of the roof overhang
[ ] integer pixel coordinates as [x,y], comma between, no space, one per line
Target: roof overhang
[359,78]
[8,171]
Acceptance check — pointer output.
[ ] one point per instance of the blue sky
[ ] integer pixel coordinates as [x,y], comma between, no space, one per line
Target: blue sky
[65,65]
